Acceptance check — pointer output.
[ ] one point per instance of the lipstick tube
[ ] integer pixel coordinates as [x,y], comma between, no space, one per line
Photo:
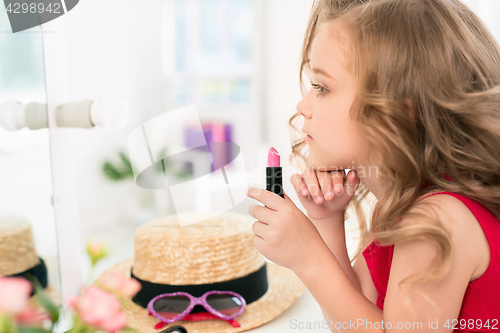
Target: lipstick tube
[274,182]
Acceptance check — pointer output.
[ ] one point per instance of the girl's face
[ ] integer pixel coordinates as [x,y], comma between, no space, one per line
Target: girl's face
[335,142]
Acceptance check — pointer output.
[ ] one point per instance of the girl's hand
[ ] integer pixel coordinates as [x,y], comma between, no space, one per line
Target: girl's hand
[283,234]
[324,193]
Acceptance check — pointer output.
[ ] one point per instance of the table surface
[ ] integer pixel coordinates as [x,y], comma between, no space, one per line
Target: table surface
[304,315]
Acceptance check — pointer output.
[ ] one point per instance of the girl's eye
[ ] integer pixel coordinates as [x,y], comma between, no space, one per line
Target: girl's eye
[319,88]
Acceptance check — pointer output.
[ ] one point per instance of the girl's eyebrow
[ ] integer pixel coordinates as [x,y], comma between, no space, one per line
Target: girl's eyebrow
[322,72]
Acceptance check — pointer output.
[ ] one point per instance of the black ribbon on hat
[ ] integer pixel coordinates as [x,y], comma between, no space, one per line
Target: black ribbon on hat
[250,287]
[39,271]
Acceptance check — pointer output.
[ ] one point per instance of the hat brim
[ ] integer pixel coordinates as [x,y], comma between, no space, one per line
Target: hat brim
[283,288]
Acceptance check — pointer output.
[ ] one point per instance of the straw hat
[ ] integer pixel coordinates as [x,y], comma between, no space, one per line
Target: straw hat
[217,251]
[18,255]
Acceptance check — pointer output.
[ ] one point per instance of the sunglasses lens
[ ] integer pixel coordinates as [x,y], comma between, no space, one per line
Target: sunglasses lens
[224,303]
[170,307]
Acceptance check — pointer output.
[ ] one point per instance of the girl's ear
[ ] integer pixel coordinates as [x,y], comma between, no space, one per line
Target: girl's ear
[409,107]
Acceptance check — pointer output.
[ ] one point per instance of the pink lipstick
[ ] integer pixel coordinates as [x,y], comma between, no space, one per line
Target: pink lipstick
[274,181]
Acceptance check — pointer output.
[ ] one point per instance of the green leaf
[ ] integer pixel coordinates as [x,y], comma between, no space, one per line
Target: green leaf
[163,152]
[7,325]
[120,171]
[111,172]
[166,162]
[44,301]
[127,165]
[31,330]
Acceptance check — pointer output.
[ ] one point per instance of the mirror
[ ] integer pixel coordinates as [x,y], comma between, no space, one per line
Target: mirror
[27,220]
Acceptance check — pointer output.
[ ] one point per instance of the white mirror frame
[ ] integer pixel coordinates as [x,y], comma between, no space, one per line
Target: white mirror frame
[63,169]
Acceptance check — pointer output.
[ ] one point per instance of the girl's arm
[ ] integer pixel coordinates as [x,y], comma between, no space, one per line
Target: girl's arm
[333,234]
[364,276]
[365,279]
[332,230]
[341,301]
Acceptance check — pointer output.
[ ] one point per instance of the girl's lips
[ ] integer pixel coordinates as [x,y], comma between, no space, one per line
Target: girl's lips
[308,138]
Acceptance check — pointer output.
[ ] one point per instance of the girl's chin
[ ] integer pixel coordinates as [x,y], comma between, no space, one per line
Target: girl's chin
[319,165]
[323,165]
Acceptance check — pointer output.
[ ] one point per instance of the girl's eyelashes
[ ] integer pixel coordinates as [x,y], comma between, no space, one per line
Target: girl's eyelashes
[319,88]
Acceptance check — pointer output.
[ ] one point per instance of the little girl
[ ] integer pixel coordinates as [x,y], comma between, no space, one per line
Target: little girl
[406,94]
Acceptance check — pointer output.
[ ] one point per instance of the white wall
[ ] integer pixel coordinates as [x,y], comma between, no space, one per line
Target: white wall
[286,22]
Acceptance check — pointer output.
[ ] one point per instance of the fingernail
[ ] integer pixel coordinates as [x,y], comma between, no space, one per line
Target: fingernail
[338,188]
[318,200]
[329,195]
[304,191]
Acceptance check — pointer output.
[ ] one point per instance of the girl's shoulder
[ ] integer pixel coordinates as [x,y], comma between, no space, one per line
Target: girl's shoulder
[463,227]
[449,209]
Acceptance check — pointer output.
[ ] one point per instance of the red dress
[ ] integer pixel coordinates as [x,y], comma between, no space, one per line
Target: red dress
[482,296]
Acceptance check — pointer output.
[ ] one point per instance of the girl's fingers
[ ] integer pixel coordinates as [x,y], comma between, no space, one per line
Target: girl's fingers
[298,184]
[352,182]
[312,184]
[271,200]
[258,228]
[325,185]
[338,181]
[325,181]
[260,213]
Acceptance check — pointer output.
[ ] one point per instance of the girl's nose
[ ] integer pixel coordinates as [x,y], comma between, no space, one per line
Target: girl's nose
[304,109]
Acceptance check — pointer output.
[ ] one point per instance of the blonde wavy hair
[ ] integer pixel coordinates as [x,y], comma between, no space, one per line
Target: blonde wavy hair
[440,56]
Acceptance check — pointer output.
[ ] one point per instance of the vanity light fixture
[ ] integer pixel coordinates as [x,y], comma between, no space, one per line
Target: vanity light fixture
[111,113]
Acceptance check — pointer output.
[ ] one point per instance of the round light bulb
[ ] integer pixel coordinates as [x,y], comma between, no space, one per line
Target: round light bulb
[111,112]
[12,115]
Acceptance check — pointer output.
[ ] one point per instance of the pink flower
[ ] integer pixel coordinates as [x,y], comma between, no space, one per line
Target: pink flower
[32,317]
[72,301]
[15,292]
[96,251]
[96,246]
[100,309]
[116,281]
